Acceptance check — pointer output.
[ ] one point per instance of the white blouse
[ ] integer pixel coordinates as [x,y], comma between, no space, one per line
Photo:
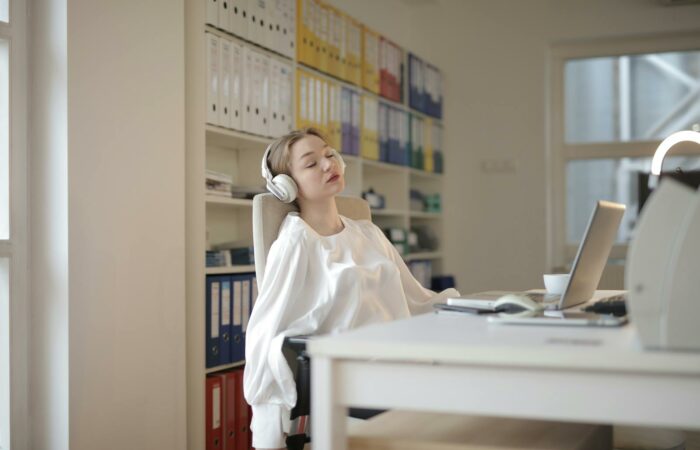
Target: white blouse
[317,284]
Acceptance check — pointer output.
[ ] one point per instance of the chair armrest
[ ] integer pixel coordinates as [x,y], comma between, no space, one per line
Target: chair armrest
[297,344]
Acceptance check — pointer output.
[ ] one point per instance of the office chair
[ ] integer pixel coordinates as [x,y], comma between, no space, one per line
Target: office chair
[268,215]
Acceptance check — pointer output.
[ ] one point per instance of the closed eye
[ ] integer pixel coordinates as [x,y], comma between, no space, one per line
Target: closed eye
[311,165]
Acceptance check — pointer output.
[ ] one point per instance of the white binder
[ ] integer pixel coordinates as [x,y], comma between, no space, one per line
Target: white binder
[213,12]
[248,109]
[224,15]
[239,17]
[225,59]
[212,78]
[275,100]
[287,86]
[289,31]
[318,107]
[325,103]
[311,101]
[258,21]
[275,16]
[302,101]
[236,111]
[280,98]
[263,118]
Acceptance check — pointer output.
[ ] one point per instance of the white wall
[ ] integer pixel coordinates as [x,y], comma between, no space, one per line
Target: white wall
[493,54]
[108,253]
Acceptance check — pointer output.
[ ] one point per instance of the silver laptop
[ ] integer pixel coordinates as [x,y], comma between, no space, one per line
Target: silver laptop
[586,271]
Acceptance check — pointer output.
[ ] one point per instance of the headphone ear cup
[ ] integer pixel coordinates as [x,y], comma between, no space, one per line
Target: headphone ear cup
[285,188]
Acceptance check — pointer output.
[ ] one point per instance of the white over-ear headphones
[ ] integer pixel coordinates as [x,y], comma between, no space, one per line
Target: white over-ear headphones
[283,186]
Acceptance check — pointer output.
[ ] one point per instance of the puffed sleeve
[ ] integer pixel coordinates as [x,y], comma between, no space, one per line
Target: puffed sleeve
[268,381]
[420,300]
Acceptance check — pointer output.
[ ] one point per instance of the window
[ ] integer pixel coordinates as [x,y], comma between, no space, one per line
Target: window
[4,139]
[613,179]
[631,98]
[4,11]
[611,104]
[13,226]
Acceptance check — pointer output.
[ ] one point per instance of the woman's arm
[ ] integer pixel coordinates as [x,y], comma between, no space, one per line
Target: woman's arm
[269,385]
[420,299]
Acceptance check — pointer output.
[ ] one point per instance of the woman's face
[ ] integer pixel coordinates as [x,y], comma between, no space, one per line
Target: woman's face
[314,168]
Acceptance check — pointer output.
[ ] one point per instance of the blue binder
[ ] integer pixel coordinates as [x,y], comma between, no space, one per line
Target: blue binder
[393,149]
[225,318]
[213,312]
[355,123]
[383,129]
[346,120]
[236,320]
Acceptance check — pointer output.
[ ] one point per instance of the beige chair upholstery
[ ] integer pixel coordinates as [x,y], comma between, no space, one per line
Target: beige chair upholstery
[269,212]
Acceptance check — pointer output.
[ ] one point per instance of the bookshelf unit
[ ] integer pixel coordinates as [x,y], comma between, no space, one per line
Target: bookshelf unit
[212,219]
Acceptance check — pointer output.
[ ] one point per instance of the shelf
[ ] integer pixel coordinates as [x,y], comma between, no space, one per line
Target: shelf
[236,202]
[234,139]
[425,215]
[328,76]
[423,115]
[388,212]
[229,269]
[422,255]
[424,174]
[384,165]
[225,367]
[227,34]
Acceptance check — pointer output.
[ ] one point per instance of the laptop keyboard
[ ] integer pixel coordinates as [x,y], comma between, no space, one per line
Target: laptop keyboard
[615,305]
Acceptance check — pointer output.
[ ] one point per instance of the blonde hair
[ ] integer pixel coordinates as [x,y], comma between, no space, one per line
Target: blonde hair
[281,149]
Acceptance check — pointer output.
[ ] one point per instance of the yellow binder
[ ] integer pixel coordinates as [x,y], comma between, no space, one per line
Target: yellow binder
[302,96]
[370,60]
[322,36]
[353,51]
[304,44]
[428,165]
[334,127]
[335,35]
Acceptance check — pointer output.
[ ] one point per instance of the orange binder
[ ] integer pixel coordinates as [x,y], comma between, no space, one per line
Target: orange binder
[228,380]
[213,404]
[242,413]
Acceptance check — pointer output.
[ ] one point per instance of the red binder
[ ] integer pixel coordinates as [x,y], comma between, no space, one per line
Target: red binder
[214,428]
[243,417]
[230,400]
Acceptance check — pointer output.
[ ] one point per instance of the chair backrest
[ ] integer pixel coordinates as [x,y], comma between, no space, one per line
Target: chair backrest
[269,212]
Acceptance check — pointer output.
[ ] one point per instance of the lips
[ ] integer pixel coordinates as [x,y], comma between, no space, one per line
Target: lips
[333,178]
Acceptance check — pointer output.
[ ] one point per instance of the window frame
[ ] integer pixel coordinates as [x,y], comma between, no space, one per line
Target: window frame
[16,248]
[559,153]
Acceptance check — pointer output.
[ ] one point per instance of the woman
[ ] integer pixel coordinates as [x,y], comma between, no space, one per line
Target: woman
[325,273]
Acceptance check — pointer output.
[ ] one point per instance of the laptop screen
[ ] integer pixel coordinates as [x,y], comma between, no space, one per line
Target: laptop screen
[592,253]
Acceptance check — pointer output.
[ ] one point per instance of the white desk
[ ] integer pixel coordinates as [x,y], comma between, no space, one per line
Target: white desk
[462,364]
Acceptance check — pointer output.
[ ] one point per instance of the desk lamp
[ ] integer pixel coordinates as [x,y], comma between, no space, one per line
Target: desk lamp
[661,274]
[664,147]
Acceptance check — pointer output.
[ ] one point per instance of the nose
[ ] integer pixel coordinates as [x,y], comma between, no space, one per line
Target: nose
[328,163]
